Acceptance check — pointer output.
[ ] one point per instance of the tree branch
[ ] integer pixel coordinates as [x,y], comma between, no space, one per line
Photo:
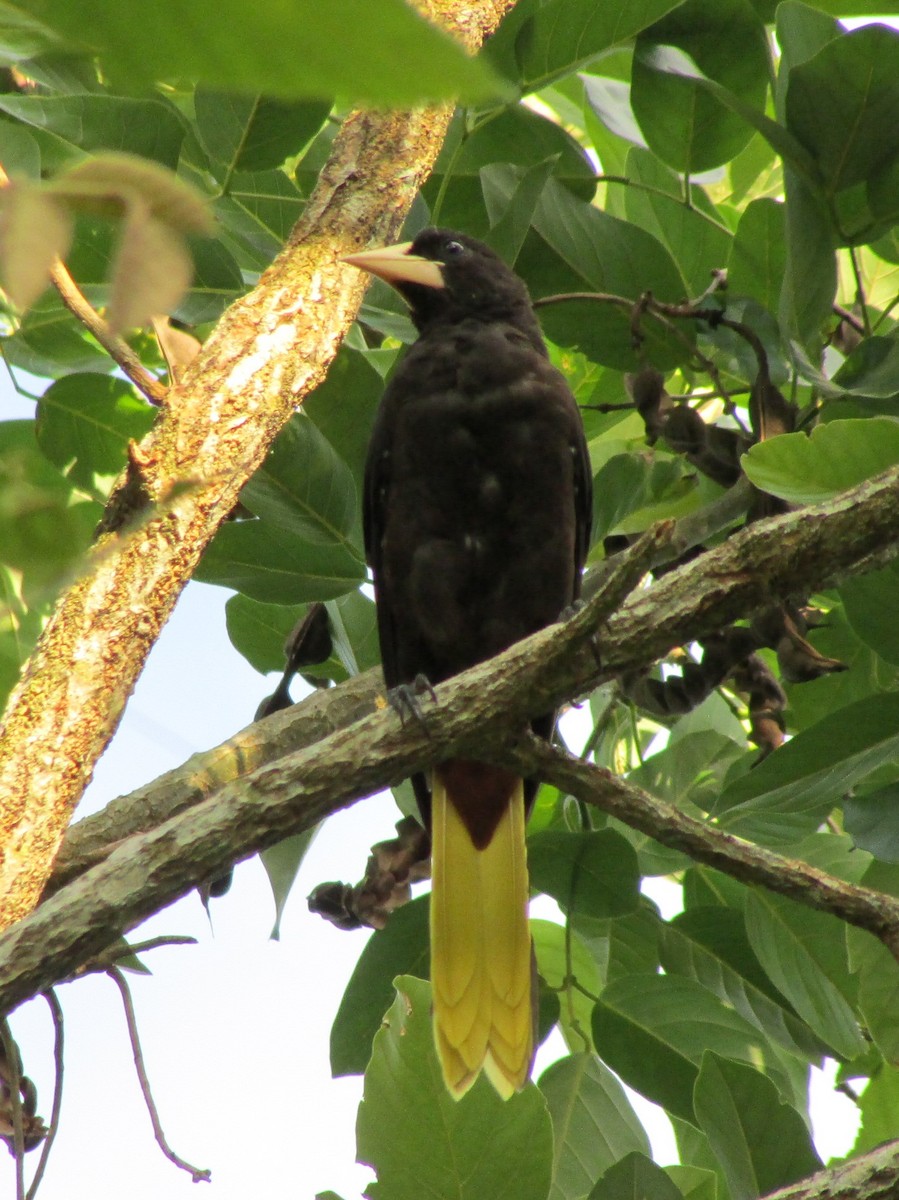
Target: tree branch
[872,1176]
[268,351]
[481,713]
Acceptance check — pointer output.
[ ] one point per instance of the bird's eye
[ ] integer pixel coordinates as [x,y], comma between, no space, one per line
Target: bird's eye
[454,249]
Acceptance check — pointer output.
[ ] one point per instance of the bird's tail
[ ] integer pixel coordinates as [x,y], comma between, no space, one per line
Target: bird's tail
[481,948]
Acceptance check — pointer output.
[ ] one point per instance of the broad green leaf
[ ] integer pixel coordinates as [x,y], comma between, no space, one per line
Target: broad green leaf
[562,956]
[422,1142]
[551,40]
[305,488]
[271,563]
[49,343]
[627,483]
[761,1142]
[879,1104]
[19,152]
[600,254]
[869,603]
[623,945]
[693,1182]
[872,820]
[836,104]
[510,197]
[85,122]
[837,456]
[260,209]
[816,768]
[254,133]
[758,254]
[281,862]
[878,993]
[283,49]
[872,370]
[343,408]
[401,947]
[685,955]
[653,1029]
[20,627]
[84,424]
[45,529]
[684,125]
[803,952]
[801,33]
[693,233]
[810,279]
[594,1124]
[259,630]
[590,873]
[635,1176]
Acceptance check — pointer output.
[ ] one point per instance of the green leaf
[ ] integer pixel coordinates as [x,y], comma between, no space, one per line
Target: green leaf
[692,233]
[283,49]
[20,627]
[804,954]
[270,563]
[400,948]
[684,125]
[635,1176]
[343,408]
[511,197]
[879,1104]
[44,529]
[562,958]
[555,39]
[837,101]
[421,1141]
[813,771]
[693,1182]
[85,122]
[281,862]
[759,254]
[254,133]
[878,994]
[687,956]
[872,370]
[602,254]
[260,209]
[810,280]
[304,487]
[593,1123]
[868,601]
[872,820]
[837,456]
[260,630]
[48,343]
[761,1143]
[591,873]
[653,1029]
[84,424]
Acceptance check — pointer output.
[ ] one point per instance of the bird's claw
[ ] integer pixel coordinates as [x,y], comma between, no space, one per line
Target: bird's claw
[404,699]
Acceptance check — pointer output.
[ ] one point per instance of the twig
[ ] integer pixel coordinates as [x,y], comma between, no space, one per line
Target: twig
[873,911]
[197,1174]
[58,1047]
[14,1083]
[117,348]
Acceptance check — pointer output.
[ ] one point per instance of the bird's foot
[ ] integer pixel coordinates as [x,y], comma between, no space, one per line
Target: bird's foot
[404,699]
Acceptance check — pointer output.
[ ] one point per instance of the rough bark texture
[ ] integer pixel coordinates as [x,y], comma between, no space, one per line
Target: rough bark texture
[481,713]
[269,350]
[872,1176]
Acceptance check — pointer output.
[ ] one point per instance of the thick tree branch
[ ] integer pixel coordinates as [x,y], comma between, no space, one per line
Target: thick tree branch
[268,351]
[480,712]
[871,1176]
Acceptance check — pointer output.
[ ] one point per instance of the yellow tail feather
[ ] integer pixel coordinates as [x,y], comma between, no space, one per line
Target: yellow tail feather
[480,949]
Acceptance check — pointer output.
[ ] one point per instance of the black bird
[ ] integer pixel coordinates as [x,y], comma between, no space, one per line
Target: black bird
[477,517]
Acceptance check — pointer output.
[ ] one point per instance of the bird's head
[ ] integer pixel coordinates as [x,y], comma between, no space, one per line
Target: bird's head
[447,276]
